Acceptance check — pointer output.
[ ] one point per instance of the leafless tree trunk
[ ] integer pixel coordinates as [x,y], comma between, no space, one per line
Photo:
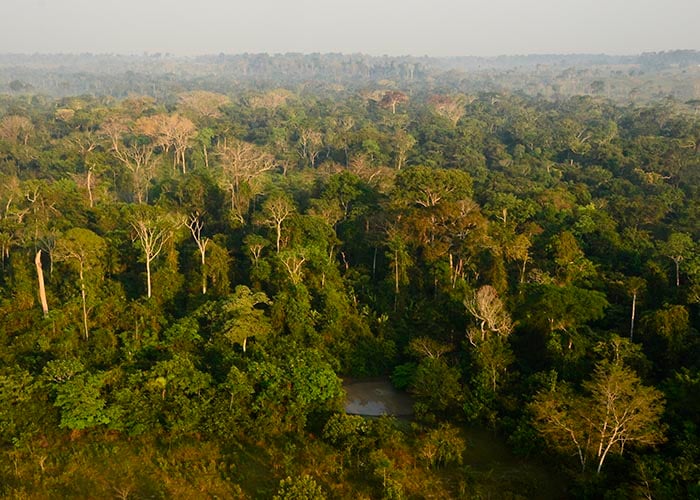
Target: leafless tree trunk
[42,289]
[278,209]
[634,310]
[84,299]
[195,224]
[153,234]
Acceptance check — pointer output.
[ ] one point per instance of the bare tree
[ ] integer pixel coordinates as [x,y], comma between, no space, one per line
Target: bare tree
[293,262]
[635,286]
[255,244]
[490,314]
[152,231]
[429,347]
[310,145]
[242,164]
[270,100]
[16,128]
[276,210]
[403,143]
[134,146]
[86,143]
[195,225]
[42,288]
[174,132]
[203,104]
[452,107]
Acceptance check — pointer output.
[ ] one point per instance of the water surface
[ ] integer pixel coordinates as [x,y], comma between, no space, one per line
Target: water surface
[376,397]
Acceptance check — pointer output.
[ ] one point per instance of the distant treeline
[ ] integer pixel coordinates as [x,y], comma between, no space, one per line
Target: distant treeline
[547,75]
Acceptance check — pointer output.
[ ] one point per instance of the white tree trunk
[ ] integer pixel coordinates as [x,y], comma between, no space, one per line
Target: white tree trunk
[634,310]
[83,296]
[42,289]
[148,276]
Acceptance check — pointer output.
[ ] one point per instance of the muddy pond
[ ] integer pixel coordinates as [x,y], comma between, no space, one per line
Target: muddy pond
[376,397]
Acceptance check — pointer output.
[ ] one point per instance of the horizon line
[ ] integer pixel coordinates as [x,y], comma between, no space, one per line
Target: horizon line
[330,53]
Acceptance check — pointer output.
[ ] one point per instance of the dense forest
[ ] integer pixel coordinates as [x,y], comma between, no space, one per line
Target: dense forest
[622,79]
[191,267]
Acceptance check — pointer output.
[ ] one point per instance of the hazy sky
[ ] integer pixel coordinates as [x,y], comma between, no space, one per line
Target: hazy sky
[393,27]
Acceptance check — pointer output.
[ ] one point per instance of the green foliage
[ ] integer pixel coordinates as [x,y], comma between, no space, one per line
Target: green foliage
[350,434]
[616,412]
[240,317]
[483,247]
[291,387]
[427,187]
[554,308]
[437,389]
[299,488]
[81,402]
[403,375]
[441,446]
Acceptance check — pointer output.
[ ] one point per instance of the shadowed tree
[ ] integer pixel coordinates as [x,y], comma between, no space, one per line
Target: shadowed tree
[399,259]
[310,144]
[635,285]
[195,225]
[678,247]
[85,250]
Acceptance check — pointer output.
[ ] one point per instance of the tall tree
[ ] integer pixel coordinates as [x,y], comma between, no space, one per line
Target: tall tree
[152,230]
[615,412]
[42,287]
[242,164]
[452,107]
[491,352]
[635,286]
[174,132]
[678,247]
[195,225]
[490,314]
[86,251]
[203,104]
[242,318]
[14,128]
[393,98]
[276,209]
[134,145]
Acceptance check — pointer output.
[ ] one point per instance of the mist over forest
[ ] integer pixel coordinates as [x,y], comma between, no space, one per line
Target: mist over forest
[622,78]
